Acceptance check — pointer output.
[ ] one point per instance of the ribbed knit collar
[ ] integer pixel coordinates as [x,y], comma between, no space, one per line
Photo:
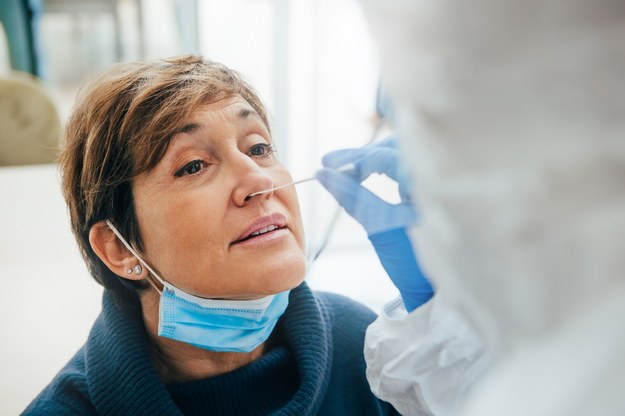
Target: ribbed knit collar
[122,380]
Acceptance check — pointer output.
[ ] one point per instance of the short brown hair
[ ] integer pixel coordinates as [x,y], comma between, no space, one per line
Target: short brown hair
[121,126]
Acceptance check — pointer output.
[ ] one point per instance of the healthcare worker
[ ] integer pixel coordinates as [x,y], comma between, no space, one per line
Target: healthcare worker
[511,121]
[421,356]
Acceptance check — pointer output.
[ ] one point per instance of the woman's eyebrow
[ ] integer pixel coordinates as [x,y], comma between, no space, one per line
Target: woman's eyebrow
[189,128]
[245,112]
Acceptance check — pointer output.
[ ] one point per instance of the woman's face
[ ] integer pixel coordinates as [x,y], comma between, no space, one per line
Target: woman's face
[198,225]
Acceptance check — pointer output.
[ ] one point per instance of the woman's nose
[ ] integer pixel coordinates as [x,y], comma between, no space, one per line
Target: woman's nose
[251,178]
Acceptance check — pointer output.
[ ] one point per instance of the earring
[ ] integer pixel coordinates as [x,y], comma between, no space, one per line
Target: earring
[129,270]
[138,269]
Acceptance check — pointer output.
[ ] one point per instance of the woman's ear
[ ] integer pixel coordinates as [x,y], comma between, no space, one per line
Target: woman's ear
[113,253]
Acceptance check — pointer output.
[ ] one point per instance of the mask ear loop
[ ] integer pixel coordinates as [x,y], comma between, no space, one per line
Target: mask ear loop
[134,253]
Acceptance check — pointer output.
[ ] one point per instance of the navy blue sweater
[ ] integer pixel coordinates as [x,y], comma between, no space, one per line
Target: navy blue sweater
[315,367]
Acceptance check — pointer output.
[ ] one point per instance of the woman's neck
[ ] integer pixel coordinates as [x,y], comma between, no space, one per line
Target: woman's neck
[177,361]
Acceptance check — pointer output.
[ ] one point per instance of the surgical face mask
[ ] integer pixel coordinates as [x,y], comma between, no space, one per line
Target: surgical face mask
[216,325]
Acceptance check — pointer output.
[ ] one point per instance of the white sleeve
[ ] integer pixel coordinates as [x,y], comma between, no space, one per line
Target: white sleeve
[425,362]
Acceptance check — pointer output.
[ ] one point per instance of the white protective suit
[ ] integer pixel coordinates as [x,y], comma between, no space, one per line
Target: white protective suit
[425,362]
[512,116]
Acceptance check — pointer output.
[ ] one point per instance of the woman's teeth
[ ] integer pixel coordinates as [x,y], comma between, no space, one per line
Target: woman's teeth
[263,230]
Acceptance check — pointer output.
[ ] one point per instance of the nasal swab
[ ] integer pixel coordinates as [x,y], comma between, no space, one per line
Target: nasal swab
[344,168]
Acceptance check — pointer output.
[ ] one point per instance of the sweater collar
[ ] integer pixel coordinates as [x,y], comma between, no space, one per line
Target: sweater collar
[122,380]
[120,375]
[307,331]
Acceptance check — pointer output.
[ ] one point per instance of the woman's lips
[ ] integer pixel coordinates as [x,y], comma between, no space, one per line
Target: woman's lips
[264,238]
[263,229]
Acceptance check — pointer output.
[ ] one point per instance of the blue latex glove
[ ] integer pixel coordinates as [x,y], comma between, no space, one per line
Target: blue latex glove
[385,223]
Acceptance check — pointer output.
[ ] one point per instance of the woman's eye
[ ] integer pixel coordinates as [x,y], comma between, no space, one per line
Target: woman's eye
[190,168]
[261,150]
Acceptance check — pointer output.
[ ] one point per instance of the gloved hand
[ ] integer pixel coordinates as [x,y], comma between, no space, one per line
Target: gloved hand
[385,223]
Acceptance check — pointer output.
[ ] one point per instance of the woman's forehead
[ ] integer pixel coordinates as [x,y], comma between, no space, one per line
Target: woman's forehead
[233,105]
[234,109]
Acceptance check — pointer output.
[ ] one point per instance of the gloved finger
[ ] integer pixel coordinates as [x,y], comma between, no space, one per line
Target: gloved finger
[366,161]
[341,157]
[372,212]
[379,160]
[387,161]
[347,191]
[338,158]
[390,141]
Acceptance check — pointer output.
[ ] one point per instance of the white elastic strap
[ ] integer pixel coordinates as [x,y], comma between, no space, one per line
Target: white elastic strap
[134,253]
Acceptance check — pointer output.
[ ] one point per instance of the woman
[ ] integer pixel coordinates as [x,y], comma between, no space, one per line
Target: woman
[160,163]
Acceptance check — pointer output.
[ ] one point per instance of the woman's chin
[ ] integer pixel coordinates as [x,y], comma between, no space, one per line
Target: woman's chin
[288,281]
[289,275]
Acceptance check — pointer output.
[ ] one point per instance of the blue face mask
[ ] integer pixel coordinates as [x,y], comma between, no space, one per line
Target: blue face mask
[219,325]
[216,325]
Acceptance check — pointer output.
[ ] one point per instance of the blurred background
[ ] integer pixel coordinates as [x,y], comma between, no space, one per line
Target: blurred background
[312,61]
